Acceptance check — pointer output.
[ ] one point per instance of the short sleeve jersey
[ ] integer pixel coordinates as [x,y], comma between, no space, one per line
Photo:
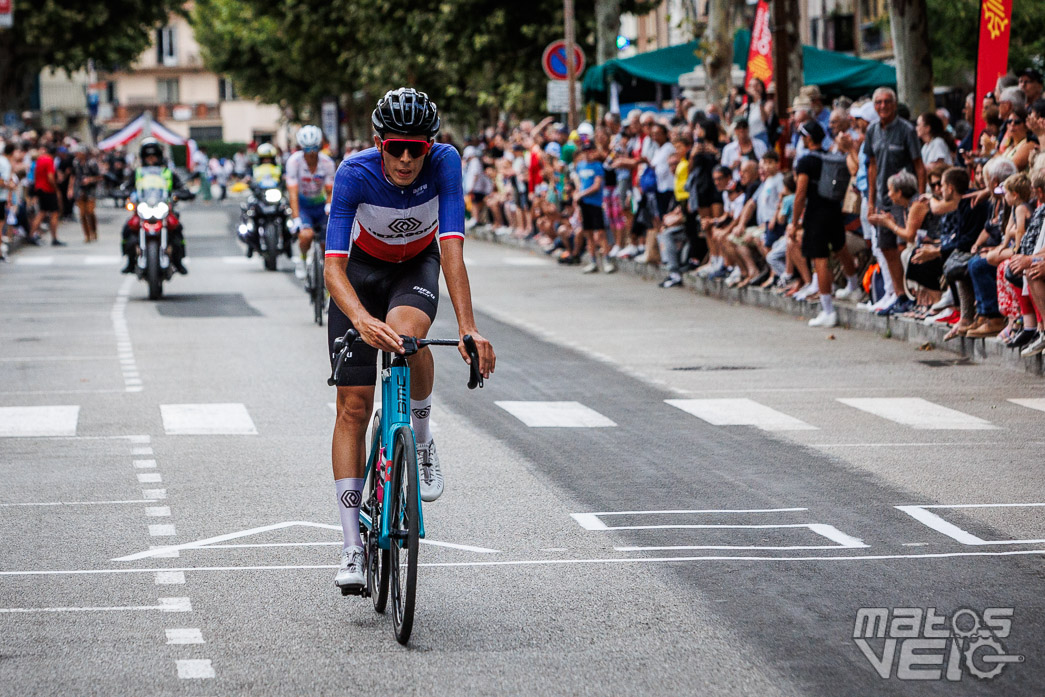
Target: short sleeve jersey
[44,166]
[310,184]
[587,171]
[895,148]
[811,165]
[392,223]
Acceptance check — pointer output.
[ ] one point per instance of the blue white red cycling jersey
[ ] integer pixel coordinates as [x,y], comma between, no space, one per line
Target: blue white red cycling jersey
[392,223]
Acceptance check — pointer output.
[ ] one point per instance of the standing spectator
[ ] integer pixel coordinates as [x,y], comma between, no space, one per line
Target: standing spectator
[8,182]
[937,144]
[83,189]
[63,178]
[818,111]
[1031,84]
[742,148]
[589,177]
[757,110]
[47,195]
[659,158]
[891,146]
[239,164]
[1008,99]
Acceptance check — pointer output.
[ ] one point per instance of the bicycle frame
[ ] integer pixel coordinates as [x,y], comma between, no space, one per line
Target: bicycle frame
[395,412]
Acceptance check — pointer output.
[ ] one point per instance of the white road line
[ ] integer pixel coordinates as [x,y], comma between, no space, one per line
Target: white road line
[918,413]
[81,503]
[556,414]
[38,422]
[170,578]
[1036,403]
[149,478]
[164,552]
[434,543]
[141,451]
[101,259]
[236,261]
[526,261]
[591,521]
[194,669]
[740,412]
[34,261]
[166,605]
[158,511]
[162,530]
[930,519]
[144,464]
[207,419]
[131,382]
[132,439]
[184,636]
[39,359]
[154,493]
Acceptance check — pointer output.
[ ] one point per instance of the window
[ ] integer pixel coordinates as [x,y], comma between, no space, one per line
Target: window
[167,91]
[226,90]
[166,53]
[205,134]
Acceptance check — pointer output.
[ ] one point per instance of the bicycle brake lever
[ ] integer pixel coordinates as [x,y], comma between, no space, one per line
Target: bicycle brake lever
[475,378]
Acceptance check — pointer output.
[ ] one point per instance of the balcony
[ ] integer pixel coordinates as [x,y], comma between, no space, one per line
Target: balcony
[165,111]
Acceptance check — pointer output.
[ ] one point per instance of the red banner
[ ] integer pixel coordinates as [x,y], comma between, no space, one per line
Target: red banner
[992,60]
[760,52]
[6,13]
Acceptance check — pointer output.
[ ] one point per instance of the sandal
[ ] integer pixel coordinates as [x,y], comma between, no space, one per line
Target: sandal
[957,330]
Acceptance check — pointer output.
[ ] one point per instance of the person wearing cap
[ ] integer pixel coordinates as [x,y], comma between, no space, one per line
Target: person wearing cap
[588,178]
[1031,84]
[891,145]
[819,221]
[800,112]
[818,111]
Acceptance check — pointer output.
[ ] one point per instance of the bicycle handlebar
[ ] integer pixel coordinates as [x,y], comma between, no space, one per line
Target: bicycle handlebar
[411,345]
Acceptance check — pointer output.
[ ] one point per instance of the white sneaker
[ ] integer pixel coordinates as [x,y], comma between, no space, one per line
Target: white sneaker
[1035,347]
[884,302]
[590,268]
[628,252]
[608,267]
[350,574]
[824,319]
[734,276]
[847,293]
[641,259]
[431,484]
[612,254]
[299,268]
[809,289]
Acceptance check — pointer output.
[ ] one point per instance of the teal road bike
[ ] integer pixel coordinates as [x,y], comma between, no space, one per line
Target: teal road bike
[390,520]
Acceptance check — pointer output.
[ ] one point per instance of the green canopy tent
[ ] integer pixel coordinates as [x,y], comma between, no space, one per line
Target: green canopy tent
[639,76]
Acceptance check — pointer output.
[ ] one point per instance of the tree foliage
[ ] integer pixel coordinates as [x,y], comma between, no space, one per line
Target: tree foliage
[66,33]
[954,28]
[474,56]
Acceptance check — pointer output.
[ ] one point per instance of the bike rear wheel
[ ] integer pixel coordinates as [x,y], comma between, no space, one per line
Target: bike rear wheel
[377,559]
[405,533]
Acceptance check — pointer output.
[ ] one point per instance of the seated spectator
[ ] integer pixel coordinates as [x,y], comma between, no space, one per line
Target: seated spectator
[1017,146]
[905,219]
[1017,197]
[742,148]
[716,267]
[937,145]
[1028,263]
[779,257]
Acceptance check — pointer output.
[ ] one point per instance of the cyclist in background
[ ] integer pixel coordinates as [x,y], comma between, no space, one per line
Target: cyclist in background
[310,180]
[396,217]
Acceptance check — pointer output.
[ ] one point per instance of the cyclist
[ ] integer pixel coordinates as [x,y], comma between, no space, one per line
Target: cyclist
[397,216]
[310,180]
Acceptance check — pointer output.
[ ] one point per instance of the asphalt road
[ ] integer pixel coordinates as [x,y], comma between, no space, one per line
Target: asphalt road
[656,493]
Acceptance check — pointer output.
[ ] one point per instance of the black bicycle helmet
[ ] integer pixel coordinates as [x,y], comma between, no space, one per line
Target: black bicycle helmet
[407,112]
[150,146]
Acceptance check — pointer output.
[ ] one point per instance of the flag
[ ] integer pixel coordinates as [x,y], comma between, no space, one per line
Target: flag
[161,132]
[124,135]
[992,59]
[760,52]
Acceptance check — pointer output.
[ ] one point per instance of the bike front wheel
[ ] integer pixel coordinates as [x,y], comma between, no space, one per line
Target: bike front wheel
[405,532]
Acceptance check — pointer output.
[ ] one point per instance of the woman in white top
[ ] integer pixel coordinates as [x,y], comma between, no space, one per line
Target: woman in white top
[936,145]
[756,109]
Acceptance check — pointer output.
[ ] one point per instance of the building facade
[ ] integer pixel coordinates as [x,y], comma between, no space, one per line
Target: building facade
[170,80]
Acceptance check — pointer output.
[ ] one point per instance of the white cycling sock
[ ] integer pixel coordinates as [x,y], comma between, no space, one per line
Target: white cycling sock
[349,496]
[854,282]
[420,410]
[827,303]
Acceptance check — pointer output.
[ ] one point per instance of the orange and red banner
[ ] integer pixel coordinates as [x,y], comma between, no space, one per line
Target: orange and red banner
[760,52]
[992,60]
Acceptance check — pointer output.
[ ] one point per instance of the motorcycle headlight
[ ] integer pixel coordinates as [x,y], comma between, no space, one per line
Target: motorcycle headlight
[144,210]
[273,195]
[160,210]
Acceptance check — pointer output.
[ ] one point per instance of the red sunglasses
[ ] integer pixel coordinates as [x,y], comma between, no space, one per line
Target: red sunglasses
[397,146]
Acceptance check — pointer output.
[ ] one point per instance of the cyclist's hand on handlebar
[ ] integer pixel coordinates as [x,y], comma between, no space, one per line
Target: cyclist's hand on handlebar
[487,358]
[378,334]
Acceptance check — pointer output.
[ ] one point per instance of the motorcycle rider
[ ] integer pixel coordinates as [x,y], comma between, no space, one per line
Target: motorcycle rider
[150,154]
[266,167]
[310,181]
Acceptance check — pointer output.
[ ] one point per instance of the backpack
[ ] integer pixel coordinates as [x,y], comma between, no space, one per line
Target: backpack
[834,176]
[648,180]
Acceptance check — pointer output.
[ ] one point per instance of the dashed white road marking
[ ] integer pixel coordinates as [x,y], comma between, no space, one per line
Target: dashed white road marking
[1035,403]
[131,380]
[158,511]
[184,636]
[918,413]
[144,464]
[101,259]
[207,419]
[195,669]
[926,517]
[38,422]
[34,261]
[556,414]
[170,578]
[526,261]
[149,478]
[740,412]
[154,493]
[141,451]
[162,530]
[166,605]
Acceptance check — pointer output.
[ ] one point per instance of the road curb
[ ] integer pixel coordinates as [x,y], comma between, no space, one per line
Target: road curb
[903,329]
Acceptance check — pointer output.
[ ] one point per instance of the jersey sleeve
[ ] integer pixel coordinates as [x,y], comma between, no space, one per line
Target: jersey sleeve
[292,171]
[344,202]
[330,171]
[451,197]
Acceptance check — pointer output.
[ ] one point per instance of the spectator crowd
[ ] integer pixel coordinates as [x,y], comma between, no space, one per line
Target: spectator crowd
[907,215]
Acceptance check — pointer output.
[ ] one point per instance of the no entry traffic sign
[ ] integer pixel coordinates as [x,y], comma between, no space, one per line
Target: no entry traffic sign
[554,60]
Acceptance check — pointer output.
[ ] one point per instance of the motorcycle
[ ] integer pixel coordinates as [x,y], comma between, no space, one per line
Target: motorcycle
[265,224]
[153,206]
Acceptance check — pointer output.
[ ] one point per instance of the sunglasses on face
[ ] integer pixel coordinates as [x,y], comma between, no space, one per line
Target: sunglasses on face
[311,149]
[933,185]
[1014,122]
[396,147]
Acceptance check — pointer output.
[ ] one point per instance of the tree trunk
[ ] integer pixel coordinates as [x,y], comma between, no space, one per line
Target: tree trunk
[718,59]
[909,22]
[18,72]
[607,26]
[787,54]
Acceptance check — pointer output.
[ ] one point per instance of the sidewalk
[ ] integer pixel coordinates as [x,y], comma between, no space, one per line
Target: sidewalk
[929,336]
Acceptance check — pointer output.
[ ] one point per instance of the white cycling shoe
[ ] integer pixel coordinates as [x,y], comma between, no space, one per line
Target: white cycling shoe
[351,573]
[431,483]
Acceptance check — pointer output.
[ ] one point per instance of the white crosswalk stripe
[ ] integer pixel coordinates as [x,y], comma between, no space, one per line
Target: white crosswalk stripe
[38,422]
[740,412]
[919,413]
[1035,403]
[207,419]
[556,414]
